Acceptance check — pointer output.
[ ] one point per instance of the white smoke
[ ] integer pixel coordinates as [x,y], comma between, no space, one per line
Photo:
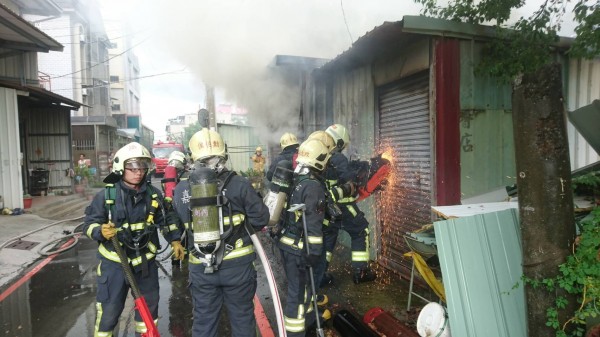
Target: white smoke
[229,44]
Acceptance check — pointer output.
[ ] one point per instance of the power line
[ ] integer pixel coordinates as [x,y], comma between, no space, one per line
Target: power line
[346,22]
[102,62]
[182,71]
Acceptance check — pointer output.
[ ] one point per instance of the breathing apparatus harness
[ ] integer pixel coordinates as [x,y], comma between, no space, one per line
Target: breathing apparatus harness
[211,240]
[295,230]
[142,238]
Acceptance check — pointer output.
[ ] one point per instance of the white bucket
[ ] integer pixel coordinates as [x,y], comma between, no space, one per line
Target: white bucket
[433,321]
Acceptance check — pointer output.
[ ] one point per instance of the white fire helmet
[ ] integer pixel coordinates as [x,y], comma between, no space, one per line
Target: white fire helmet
[132,155]
[287,139]
[177,159]
[340,136]
[313,153]
[207,143]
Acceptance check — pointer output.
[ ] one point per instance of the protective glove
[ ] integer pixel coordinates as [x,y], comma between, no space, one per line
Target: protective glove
[311,260]
[178,251]
[108,230]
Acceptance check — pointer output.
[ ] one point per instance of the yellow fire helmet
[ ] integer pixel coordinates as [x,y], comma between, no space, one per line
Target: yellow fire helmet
[287,139]
[207,143]
[259,149]
[324,138]
[313,153]
[340,136]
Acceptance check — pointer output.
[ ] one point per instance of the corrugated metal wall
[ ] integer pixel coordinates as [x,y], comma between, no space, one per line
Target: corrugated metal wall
[487,153]
[241,143]
[404,128]
[10,150]
[354,107]
[481,260]
[47,144]
[583,88]
[22,65]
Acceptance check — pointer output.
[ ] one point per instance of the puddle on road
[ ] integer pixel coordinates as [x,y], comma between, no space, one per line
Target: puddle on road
[60,300]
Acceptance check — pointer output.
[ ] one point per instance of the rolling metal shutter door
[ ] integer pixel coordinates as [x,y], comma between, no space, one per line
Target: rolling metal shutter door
[404,127]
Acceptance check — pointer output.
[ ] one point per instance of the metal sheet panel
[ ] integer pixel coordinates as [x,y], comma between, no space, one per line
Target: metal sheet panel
[404,129]
[583,87]
[47,144]
[480,257]
[11,188]
[480,92]
[241,143]
[487,151]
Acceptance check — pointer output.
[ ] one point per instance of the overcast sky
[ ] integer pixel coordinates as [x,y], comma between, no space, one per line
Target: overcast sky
[228,43]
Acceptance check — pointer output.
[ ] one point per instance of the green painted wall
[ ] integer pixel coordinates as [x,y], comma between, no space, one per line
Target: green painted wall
[487,145]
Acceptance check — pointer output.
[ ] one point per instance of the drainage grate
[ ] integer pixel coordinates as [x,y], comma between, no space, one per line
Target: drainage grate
[23,245]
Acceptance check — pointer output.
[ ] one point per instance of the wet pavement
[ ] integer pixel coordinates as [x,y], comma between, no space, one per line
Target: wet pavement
[59,299]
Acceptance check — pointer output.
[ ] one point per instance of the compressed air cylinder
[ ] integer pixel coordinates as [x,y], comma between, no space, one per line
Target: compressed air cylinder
[169,181]
[278,191]
[205,212]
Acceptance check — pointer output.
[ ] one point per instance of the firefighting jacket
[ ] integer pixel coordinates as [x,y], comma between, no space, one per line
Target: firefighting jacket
[246,207]
[130,214]
[287,154]
[310,192]
[337,173]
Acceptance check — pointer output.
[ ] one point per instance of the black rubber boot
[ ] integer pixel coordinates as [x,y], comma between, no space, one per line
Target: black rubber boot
[363,275]
[327,280]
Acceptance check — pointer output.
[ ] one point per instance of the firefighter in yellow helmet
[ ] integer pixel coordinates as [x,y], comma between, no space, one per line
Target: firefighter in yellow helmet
[289,151]
[130,209]
[308,189]
[220,262]
[340,181]
[258,160]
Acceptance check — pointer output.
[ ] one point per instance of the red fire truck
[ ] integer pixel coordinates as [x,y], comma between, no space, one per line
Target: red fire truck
[161,152]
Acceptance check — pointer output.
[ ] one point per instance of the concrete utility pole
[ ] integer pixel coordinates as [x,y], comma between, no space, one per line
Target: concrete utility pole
[210,106]
[545,194]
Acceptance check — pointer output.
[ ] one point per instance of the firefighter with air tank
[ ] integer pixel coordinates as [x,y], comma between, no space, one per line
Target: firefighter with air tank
[175,171]
[343,191]
[303,228]
[130,209]
[215,205]
[289,151]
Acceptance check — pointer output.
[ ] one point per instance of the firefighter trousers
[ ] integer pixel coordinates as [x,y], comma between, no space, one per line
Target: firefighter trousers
[112,294]
[352,221]
[298,311]
[233,286]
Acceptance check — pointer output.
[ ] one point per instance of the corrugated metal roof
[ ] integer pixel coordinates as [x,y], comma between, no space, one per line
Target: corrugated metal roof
[17,33]
[481,259]
[391,37]
[43,94]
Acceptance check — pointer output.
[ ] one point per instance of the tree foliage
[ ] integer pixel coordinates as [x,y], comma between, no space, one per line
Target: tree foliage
[527,44]
[189,131]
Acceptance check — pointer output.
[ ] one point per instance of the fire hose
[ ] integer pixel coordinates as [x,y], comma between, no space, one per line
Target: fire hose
[7,242]
[270,279]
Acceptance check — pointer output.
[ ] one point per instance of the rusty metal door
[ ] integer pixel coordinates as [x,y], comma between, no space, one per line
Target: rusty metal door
[405,130]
